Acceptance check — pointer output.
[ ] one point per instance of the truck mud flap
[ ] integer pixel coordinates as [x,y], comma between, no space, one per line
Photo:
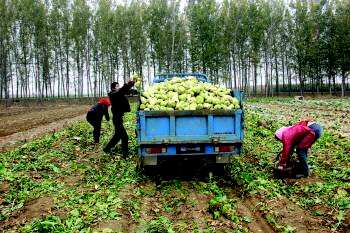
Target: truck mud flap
[150,161]
[223,159]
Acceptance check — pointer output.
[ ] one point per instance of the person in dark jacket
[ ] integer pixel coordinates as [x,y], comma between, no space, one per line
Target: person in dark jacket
[95,115]
[300,136]
[120,105]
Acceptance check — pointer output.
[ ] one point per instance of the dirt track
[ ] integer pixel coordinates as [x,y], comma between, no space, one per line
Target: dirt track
[20,124]
[18,119]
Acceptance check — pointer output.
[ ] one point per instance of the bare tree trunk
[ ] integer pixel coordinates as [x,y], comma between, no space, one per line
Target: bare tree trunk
[343,78]
[2,67]
[17,87]
[242,75]
[301,80]
[229,73]
[289,80]
[148,71]
[67,71]
[267,82]
[255,79]
[239,75]
[283,69]
[88,68]
[271,79]
[329,83]
[58,73]
[26,73]
[234,71]
[99,82]
[1,84]
[245,77]
[12,90]
[261,82]
[277,78]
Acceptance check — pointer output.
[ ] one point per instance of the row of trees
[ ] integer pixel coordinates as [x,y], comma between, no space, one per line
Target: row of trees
[64,48]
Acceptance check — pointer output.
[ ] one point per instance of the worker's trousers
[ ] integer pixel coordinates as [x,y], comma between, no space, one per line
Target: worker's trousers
[119,134]
[302,156]
[96,123]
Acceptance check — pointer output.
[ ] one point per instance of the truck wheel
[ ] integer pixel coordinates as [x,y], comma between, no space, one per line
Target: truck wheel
[210,175]
[148,170]
[151,171]
[139,163]
[227,170]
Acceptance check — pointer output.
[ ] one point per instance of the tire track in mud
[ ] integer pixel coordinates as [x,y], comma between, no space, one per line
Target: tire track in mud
[11,141]
[257,223]
[34,209]
[33,118]
[192,191]
[291,214]
[282,209]
[199,213]
[246,208]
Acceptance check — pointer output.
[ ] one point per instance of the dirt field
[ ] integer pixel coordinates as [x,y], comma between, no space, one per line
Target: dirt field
[18,119]
[337,120]
[20,123]
[64,183]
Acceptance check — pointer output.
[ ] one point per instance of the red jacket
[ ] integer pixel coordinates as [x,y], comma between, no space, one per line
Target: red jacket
[104,101]
[298,135]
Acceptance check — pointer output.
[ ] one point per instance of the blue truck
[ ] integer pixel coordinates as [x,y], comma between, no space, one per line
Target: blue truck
[214,136]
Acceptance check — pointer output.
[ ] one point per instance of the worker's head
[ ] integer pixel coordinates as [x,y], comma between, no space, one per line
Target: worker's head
[114,86]
[316,128]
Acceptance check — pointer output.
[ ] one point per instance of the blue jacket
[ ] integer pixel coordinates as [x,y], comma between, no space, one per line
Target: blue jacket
[98,111]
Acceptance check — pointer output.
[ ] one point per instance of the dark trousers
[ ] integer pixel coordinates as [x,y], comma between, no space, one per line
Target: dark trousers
[96,123]
[119,134]
[302,156]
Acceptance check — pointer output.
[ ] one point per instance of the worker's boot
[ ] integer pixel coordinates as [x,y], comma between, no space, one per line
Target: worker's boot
[125,153]
[302,175]
[107,150]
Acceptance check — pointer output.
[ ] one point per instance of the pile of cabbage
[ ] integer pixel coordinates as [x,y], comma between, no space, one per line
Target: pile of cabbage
[187,94]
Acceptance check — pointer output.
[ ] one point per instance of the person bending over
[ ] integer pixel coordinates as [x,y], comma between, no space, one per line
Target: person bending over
[301,137]
[95,115]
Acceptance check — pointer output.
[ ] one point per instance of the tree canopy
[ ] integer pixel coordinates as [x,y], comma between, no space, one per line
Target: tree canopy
[72,48]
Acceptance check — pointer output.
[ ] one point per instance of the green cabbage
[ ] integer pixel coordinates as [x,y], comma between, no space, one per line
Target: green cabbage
[187,94]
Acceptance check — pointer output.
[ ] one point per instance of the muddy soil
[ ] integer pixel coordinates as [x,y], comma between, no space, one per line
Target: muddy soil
[20,124]
[11,141]
[19,119]
[35,209]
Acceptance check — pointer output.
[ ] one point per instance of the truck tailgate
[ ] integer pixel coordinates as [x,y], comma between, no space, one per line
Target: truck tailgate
[190,127]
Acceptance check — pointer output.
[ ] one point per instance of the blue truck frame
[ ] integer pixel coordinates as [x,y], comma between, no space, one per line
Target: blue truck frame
[215,135]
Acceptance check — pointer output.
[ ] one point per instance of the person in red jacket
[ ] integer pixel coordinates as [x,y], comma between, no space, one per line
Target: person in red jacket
[95,115]
[300,136]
